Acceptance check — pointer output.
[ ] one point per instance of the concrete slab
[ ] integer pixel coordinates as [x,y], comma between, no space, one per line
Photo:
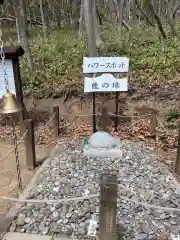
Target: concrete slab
[23,236]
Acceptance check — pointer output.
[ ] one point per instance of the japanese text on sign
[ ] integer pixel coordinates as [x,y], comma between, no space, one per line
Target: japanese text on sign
[10,77]
[105,83]
[105,64]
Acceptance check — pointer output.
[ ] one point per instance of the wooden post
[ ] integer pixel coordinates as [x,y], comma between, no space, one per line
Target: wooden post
[56,120]
[153,124]
[30,144]
[108,207]
[19,94]
[177,163]
[117,109]
[104,120]
[144,109]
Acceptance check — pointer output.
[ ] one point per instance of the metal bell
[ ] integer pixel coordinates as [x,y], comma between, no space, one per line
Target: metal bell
[10,104]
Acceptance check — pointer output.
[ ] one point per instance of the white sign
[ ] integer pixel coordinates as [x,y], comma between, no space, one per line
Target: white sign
[105,65]
[105,83]
[10,77]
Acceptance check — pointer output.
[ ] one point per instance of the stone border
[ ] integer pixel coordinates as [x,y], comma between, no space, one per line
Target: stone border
[14,210]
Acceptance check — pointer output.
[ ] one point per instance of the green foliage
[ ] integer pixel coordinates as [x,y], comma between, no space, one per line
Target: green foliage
[57,64]
[58,61]
[173,115]
[151,59]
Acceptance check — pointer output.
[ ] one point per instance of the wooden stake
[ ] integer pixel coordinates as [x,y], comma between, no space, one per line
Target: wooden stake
[108,207]
[177,163]
[153,124]
[117,109]
[56,121]
[104,120]
[30,144]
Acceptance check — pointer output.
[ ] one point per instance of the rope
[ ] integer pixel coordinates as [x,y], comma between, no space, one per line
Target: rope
[6,155]
[146,205]
[32,201]
[160,123]
[99,114]
[50,120]
[49,201]
[46,124]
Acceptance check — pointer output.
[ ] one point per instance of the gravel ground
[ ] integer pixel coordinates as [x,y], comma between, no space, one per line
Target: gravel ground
[140,177]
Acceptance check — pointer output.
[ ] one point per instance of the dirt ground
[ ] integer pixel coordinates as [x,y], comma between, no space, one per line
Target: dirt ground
[8,173]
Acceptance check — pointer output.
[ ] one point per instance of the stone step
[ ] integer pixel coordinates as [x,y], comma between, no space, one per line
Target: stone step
[23,236]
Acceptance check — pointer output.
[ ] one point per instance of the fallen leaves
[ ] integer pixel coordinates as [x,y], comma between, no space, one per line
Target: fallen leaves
[165,140]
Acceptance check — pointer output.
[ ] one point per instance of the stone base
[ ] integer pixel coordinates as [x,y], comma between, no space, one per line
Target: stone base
[114,152]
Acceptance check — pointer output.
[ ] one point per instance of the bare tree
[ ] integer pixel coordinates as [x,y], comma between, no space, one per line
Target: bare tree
[170,18]
[157,18]
[133,6]
[119,7]
[96,26]
[89,27]
[144,14]
[23,31]
[16,13]
[81,18]
[44,16]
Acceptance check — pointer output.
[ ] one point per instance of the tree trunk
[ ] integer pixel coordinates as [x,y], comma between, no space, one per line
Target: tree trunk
[89,27]
[16,13]
[44,10]
[23,14]
[119,7]
[24,35]
[133,4]
[157,18]
[170,19]
[81,19]
[144,14]
[96,26]
[175,11]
